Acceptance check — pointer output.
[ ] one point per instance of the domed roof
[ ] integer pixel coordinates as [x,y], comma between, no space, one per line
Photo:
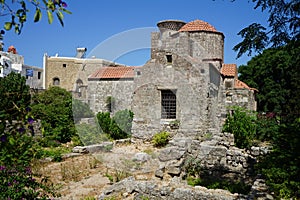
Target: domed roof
[198,25]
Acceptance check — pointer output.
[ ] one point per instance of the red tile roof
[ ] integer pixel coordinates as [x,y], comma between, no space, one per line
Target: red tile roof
[229,70]
[113,73]
[240,84]
[197,25]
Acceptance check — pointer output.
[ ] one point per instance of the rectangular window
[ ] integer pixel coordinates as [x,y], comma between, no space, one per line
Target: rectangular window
[39,75]
[169,59]
[64,65]
[168,104]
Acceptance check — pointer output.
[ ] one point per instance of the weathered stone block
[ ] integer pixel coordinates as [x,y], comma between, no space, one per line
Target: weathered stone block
[170,153]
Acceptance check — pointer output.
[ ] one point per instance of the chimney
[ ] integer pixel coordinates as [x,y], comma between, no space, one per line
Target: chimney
[80,52]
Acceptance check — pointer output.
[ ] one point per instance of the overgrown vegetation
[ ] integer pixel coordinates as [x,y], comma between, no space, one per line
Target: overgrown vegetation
[242,124]
[17,147]
[54,108]
[89,134]
[81,110]
[161,139]
[195,175]
[117,127]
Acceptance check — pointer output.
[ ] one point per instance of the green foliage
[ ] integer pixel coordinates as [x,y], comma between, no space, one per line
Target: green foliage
[16,12]
[275,73]
[14,95]
[281,166]
[117,127]
[192,167]
[90,134]
[242,124]
[54,152]
[283,27]
[104,121]
[121,124]
[17,151]
[54,108]
[267,127]
[161,139]
[81,110]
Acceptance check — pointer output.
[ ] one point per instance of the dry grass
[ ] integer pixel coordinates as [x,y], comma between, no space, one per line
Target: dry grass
[85,176]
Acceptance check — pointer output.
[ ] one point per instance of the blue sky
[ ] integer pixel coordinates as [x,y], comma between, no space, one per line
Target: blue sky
[103,27]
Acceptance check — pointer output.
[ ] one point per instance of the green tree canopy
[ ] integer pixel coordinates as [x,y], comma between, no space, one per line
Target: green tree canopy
[275,73]
[14,95]
[54,108]
[283,27]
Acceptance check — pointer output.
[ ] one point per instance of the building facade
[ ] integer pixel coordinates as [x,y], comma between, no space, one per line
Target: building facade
[11,61]
[71,73]
[185,82]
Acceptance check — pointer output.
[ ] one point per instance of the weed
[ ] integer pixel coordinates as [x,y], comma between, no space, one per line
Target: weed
[161,139]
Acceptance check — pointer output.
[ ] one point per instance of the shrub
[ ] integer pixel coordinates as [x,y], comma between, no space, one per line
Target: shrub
[192,167]
[121,124]
[54,108]
[104,121]
[90,134]
[81,110]
[161,139]
[117,127]
[17,151]
[242,124]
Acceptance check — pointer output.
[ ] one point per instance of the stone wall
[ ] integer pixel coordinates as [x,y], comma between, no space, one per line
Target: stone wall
[240,97]
[120,90]
[216,155]
[187,79]
[207,45]
[192,74]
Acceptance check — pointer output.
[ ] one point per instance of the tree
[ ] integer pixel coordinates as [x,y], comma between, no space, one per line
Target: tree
[54,108]
[16,12]
[275,73]
[283,22]
[14,96]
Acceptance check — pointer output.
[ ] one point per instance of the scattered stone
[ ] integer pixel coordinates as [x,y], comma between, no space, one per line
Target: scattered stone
[141,157]
[104,147]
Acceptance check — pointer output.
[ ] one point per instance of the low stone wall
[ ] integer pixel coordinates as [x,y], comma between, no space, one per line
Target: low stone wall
[155,190]
[216,155]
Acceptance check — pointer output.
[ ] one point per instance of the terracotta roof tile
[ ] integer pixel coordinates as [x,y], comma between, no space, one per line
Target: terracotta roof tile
[198,25]
[240,84]
[229,70]
[113,72]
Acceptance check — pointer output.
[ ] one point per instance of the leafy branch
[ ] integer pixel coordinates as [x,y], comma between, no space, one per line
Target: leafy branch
[283,27]
[18,16]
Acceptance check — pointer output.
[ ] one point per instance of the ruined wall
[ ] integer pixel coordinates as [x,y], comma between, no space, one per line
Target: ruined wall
[241,97]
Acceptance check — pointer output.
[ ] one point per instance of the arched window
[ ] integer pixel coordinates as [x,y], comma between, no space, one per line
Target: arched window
[56,81]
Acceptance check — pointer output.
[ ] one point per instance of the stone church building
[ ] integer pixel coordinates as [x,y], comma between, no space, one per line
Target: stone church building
[185,82]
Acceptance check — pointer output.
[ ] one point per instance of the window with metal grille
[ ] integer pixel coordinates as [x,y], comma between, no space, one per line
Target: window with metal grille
[168,104]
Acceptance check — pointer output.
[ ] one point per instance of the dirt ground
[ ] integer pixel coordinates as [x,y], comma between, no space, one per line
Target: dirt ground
[83,177]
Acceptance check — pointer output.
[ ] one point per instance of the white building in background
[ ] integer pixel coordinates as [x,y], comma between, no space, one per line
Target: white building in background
[5,65]
[11,61]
